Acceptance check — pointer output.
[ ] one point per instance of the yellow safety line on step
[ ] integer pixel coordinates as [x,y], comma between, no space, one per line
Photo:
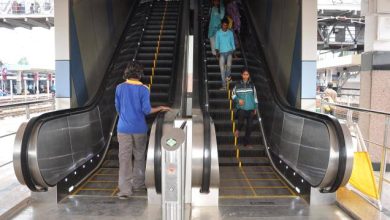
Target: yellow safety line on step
[106,174]
[85,183]
[281,180]
[115,191]
[247,180]
[103,181]
[158,47]
[97,189]
[237,153]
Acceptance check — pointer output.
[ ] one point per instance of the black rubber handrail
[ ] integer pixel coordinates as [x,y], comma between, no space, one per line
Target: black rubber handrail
[32,123]
[172,101]
[157,151]
[330,122]
[206,171]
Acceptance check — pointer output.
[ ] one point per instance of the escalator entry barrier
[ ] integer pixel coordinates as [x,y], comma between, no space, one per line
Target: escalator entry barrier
[173,145]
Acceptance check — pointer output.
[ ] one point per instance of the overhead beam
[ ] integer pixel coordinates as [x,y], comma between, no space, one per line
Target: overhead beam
[37,23]
[5,25]
[17,23]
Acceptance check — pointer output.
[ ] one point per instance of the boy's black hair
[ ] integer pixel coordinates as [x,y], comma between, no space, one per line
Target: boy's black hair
[244,70]
[225,21]
[134,70]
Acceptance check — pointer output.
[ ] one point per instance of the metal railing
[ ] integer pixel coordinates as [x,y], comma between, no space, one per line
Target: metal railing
[371,120]
[27,7]
[13,109]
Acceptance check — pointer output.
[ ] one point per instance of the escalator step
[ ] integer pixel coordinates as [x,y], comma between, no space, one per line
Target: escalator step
[150,56]
[159,63]
[230,151]
[153,49]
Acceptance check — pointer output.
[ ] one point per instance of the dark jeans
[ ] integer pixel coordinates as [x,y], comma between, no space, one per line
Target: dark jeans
[245,116]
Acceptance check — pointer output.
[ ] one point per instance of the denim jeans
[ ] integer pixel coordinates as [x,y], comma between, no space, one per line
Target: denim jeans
[225,65]
[212,45]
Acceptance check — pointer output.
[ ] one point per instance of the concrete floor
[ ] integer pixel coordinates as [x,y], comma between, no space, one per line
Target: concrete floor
[94,208]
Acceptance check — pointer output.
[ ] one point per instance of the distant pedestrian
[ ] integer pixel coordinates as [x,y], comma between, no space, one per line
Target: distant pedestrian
[132,103]
[232,10]
[32,8]
[217,13]
[330,96]
[245,99]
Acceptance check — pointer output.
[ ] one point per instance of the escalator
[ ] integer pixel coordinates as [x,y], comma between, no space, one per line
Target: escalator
[292,150]
[85,161]
[245,171]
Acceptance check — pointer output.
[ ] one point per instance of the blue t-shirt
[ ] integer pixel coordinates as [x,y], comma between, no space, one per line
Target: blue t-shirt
[224,41]
[132,102]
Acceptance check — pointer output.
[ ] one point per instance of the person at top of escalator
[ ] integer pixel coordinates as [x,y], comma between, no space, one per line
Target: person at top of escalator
[224,46]
[217,13]
[233,12]
[132,103]
[245,100]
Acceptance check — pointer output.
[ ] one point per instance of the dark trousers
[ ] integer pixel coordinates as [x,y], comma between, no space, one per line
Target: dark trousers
[245,116]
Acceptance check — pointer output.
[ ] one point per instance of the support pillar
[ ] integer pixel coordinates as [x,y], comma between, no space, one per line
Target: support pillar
[309,55]
[19,83]
[62,65]
[375,71]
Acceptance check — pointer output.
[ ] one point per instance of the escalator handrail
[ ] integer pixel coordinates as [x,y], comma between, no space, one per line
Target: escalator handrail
[206,171]
[31,129]
[173,99]
[143,30]
[329,121]
[176,50]
[157,151]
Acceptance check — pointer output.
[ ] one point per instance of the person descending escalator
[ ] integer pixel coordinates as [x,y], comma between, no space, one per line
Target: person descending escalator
[233,12]
[217,13]
[132,103]
[245,100]
[224,46]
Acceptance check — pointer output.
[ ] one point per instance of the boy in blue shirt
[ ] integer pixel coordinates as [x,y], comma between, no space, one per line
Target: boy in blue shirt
[224,45]
[132,103]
